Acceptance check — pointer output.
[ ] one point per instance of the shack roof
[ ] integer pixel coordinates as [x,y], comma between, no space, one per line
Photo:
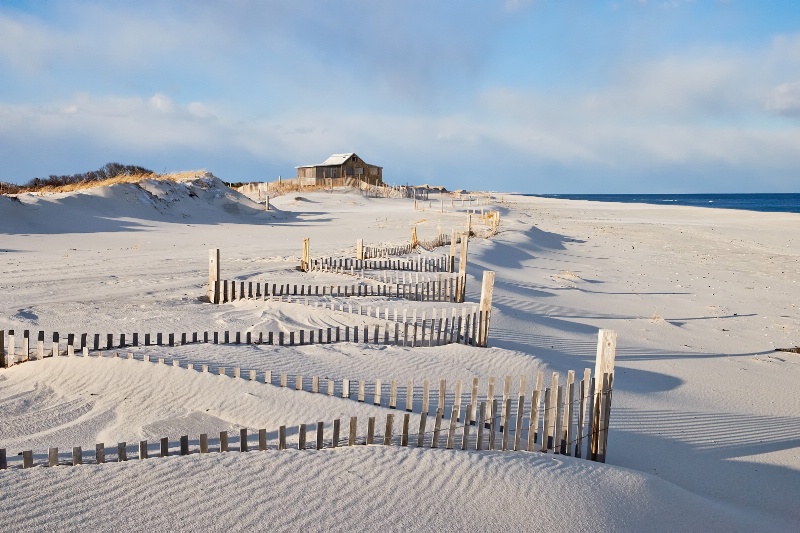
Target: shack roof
[334,160]
[337,159]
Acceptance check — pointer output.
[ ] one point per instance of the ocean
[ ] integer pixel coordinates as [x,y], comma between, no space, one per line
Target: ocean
[774,202]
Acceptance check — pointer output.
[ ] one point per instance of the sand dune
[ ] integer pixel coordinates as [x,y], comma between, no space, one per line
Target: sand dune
[705,431]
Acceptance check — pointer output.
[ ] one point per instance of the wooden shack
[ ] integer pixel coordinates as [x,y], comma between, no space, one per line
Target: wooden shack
[338,169]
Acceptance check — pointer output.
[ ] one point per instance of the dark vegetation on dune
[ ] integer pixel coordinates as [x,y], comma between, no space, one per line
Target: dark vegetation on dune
[107,171]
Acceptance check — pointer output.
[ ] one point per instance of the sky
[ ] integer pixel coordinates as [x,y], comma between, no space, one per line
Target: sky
[546,96]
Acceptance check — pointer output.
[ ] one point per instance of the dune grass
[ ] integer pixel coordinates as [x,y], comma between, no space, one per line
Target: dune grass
[126,178]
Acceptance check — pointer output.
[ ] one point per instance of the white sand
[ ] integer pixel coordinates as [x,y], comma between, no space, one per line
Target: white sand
[705,428]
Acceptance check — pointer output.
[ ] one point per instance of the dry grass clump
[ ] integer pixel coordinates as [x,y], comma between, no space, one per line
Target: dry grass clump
[130,178]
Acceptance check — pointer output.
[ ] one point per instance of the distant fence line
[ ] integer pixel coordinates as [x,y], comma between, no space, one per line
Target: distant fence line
[563,418]
[445,290]
[449,289]
[260,191]
[384,276]
[343,264]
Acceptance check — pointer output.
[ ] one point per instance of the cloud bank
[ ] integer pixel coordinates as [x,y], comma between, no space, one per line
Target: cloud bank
[470,96]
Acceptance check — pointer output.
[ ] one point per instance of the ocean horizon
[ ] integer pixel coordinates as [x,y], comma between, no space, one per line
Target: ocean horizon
[765,202]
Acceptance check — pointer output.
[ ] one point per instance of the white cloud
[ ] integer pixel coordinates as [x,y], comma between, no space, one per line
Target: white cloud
[785,99]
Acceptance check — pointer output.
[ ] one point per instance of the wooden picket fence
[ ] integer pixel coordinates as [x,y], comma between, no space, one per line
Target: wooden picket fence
[422,332]
[372,252]
[516,435]
[569,419]
[443,290]
[345,264]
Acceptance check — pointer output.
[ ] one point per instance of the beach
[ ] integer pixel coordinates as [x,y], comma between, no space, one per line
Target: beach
[705,424]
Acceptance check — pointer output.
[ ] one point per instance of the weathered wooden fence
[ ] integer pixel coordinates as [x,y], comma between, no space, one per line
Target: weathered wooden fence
[568,419]
[446,290]
[423,332]
[345,264]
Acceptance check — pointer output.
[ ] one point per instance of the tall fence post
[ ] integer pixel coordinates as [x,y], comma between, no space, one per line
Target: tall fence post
[3,363]
[485,310]
[414,240]
[604,377]
[306,260]
[360,249]
[213,275]
[267,204]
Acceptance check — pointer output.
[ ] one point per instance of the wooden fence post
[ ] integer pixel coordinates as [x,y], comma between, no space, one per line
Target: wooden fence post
[360,249]
[213,275]
[3,362]
[414,240]
[604,376]
[387,434]
[518,427]
[485,310]
[421,433]
[481,424]
[351,441]
[451,258]
[306,260]
[142,450]
[462,270]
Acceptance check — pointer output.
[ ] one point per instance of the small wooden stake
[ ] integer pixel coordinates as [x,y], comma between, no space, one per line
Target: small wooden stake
[77,457]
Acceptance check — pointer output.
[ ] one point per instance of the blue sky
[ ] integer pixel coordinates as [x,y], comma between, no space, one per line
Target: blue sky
[532,96]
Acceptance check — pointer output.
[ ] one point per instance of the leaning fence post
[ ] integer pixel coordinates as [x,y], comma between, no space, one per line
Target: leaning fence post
[213,275]
[451,432]
[437,427]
